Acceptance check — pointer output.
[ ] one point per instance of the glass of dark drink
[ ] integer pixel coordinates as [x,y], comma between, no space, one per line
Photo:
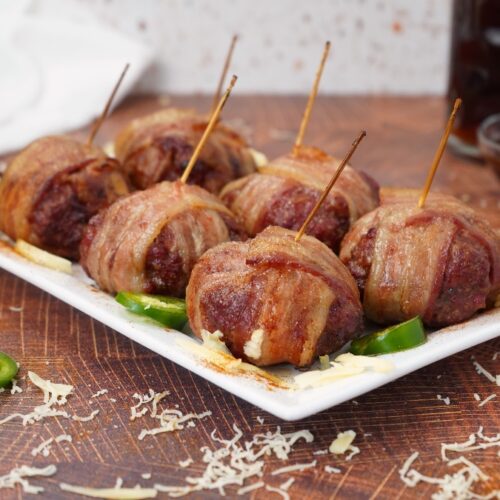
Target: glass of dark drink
[474,69]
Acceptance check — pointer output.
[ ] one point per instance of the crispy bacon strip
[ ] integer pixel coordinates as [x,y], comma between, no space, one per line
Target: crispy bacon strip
[189,220]
[409,263]
[158,146]
[298,293]
[294,182]
[52,188]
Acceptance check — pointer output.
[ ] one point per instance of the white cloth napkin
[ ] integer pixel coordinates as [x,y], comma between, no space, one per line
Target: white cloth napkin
[57,68]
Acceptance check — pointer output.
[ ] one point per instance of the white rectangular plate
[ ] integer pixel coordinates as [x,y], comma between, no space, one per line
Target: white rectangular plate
[77,290]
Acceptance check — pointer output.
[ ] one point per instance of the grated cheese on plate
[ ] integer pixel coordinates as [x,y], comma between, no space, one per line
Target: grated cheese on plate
[344,365]
[43,258]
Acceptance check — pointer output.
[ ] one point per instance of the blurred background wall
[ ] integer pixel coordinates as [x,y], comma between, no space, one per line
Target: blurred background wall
[378,46]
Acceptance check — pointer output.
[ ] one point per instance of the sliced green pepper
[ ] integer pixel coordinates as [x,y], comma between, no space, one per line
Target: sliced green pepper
[396,338]
[168,311]
[8,369]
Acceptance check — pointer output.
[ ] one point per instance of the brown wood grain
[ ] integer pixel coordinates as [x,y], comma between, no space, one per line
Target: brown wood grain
[59,343]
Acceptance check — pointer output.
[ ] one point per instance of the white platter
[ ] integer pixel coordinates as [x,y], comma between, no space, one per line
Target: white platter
[77,290]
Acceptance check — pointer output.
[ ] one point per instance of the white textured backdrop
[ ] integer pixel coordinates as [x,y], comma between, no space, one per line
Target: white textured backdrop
[378,46]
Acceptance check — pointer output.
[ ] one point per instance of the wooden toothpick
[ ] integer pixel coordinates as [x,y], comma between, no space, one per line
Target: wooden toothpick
[104,114]
[210,126]
[328,188]
[310,102]
[439,154]
[227,62]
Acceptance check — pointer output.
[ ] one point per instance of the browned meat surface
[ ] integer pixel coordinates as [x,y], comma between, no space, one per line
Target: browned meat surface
[150,240]
[158,147]
[298,293]
[51,190]
[441,262]
[284,192]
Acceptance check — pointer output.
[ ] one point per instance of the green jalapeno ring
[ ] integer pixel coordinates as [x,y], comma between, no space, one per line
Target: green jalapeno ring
[8,369]
[406,335]
[169,311]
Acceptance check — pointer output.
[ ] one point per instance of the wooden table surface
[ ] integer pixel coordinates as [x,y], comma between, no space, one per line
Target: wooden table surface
[63,345]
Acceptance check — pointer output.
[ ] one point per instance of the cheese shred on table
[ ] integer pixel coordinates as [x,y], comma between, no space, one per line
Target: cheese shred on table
[234,461]
[18,475]
[459,483]
[169,419]
[116,492]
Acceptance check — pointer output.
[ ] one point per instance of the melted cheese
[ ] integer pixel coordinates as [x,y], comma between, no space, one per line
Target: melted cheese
[253,347]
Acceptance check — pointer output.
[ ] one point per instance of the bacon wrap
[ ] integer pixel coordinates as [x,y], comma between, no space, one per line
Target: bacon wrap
[158,147]
[170,222]
[284,192]
[52,188]
[299,293]
[441,262]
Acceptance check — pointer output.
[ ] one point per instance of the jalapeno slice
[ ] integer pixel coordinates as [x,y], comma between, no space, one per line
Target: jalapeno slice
[169,311]
[8,369]
[396,338]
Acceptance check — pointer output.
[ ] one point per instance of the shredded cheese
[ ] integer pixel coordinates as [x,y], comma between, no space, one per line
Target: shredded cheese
[284,494]
[136,493]
[345,365]
[234,462]
[15,389]
[18,475]
[293,468]
[259,158]
[459,483]
[445,400]
[253,347]
[214,342]
[45,446]
[483,371]
[99,393]
[342,442]
[489,398]
[42,257]
[170,419]
[251,487]
[87,418]
[332,470]
[286,485]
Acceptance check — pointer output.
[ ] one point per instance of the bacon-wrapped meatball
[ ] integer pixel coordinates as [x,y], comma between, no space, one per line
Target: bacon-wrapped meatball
[52,188]
[284,192]
[150,241]
[441,262]
[158,147]
[274,299]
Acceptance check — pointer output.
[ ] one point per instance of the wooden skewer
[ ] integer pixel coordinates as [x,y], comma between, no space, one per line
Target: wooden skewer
[227,62]
[328,188]
[210,126]
[310,102]
[104,114]
[439,154]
